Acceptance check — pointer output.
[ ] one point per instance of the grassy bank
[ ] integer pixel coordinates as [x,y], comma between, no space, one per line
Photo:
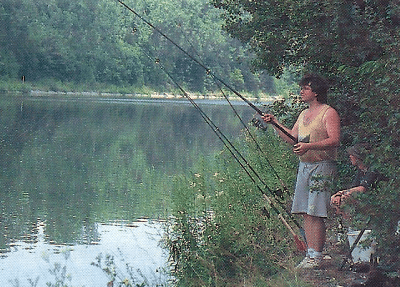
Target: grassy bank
[57,86]
[223,233]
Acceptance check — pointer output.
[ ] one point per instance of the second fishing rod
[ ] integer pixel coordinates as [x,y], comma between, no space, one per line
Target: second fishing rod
[208,70]
[247,167]
[249,170]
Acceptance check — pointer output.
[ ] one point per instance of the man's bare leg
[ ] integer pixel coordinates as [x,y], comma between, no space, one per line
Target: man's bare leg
[314,228]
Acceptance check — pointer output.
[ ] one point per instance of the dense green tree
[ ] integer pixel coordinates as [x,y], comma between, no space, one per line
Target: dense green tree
[325,34]
[13,39]
[355,45]
[91,41]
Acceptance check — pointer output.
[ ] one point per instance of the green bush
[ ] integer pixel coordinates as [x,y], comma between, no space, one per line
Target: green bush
[223,233]
[355,45]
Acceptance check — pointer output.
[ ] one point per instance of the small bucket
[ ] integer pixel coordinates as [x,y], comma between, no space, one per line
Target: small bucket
[360,253]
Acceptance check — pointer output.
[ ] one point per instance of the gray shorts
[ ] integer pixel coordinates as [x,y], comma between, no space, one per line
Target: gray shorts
[312,194]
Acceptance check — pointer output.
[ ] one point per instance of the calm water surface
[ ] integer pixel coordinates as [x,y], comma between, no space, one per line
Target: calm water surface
[85,184]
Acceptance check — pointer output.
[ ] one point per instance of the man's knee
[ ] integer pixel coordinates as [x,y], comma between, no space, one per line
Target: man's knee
[314,219]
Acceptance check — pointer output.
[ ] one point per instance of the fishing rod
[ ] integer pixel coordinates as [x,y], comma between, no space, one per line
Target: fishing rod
[208,71]
[237,115]
[254,121]
[301,245]
[216,129]
[285,188]
[350,251]
[245,166]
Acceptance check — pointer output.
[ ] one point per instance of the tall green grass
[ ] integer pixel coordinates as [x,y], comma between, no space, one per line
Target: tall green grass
[222,232]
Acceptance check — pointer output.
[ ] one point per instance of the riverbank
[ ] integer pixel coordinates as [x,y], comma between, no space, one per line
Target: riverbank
[103,91]
[153,95]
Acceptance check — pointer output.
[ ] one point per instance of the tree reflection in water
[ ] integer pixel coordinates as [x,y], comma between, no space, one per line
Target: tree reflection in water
[72,167]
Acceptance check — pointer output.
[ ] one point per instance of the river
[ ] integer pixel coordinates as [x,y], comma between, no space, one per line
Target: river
[86,182]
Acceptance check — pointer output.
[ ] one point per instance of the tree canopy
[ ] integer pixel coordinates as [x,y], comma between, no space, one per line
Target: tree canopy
[355,45]
[91,41]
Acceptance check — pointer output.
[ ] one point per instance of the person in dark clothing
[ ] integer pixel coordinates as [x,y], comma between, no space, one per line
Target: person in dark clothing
[364,179]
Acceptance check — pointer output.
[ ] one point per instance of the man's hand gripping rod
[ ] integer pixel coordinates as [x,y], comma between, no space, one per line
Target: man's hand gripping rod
[260,112]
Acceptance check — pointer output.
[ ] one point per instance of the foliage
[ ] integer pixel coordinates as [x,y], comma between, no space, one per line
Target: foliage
[355,45]
[121,278]
[59,271]
[91,41]
[223,233]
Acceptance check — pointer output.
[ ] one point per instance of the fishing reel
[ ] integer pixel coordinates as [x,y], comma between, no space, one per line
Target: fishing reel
[265,212]
[279,195]
[259,123]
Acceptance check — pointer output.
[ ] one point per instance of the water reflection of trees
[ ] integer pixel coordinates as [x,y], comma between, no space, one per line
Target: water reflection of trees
[74,164]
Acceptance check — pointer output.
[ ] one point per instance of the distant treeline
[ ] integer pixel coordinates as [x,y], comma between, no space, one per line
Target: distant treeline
[100,41]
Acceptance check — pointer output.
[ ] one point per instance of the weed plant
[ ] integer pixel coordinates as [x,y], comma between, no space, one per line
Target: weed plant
[128,277]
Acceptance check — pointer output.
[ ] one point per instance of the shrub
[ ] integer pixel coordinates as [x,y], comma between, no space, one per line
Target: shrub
[222,232]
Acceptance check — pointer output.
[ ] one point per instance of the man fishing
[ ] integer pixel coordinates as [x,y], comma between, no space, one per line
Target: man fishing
[317,131]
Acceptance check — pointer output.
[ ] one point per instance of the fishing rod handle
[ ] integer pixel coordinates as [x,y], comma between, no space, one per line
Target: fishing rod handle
[284,131]
[273,122]
[286,224]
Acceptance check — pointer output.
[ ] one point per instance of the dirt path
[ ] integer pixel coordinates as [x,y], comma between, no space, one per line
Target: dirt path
[329,275]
